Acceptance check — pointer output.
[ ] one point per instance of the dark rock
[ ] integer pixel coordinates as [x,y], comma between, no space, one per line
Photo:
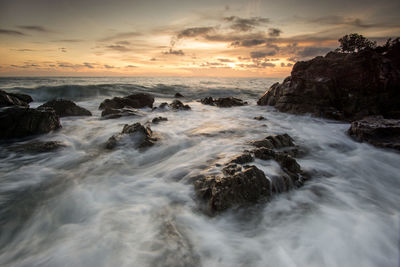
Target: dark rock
[158,119]
[37,147]
[142,137]
[224,102]
[242,159]
[14,99]
[139,100]
[231,169]
[178,95]
[17,122]
[274,141]
[221,193]
[377,131]
[64,108]
[110,113]
[178,105]
[343,86]
[163,105]
[264,153]
[259,118]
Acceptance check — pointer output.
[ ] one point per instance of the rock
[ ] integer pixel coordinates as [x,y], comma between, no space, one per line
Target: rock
[142,137]
[158,119]
[64,108]
[163,105]
[231,169]
[224,102]
[221,193]
[377,131]
[37,147]
[17,122]
[242,159]
[14,99]
[274,141]
[178,95]
[110,113]
[264,153]
[178,105]
[259,118]
[139,100]
[343,86]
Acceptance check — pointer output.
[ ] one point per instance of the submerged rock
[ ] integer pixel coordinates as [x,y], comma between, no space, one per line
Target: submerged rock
[224,102]
[64,108]
[140,136]
[17,122]
[111,113]
[37,147]
[14,99]
[274,141]
[341,86]
[377,131]
[178,105]
[178,95]
[139,100]
[259,118]
[158,119]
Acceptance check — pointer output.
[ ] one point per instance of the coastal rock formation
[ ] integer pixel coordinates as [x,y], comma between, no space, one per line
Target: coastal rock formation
[13,99]
[17,122]
[224,102]
[140,136]
[139,100]
[158,119]
[343,86]
[377,131]
[178,105]
[64,108]
[111,113]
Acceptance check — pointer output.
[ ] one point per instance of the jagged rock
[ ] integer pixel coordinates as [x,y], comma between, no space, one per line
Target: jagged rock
[231,169]
[142,137]
[139,100]
[37,147]
[264,153]
[259,118]
[17,122]
[274,141]
[223,192]
[242,159]
[64,108]
[178,95]
[14,99]
[110,113]
[377,131]
[224,102]
[158,119]
[344,86]
[178,105]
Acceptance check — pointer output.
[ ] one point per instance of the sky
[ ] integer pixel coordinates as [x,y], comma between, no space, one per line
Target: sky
[208,38]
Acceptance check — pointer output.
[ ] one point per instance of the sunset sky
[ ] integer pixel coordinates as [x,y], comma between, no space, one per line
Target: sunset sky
[180,38]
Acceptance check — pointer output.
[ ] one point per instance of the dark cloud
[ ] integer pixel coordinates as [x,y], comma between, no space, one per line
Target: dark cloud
[312,51]
[257,65]
[226,60]
[153,59]
[274,32]
[11,32]
[339,20]
[130,66]
[119,48]
[194,32]
[248,42]
[262,54]
[23,50]
[123,43]
[108,66]
[213,64]
[245,24]
[63,49]
[26,66]
[286,65]
[34,28]
[88,65]
[174,52]
[121,35]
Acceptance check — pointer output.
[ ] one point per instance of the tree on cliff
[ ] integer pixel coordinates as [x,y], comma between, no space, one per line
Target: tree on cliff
[355,42]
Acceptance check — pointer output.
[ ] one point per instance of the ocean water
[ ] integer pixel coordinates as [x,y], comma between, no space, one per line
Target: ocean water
[85,206]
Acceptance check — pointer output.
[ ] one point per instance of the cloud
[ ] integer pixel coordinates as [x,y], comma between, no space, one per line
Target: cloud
[339,20]
[121,35]
[130,66]
[34,28]
[88,65]
[11,32]
[245,24]
[194,32]
[123,43]
[262,54]
[248,42]
[23,50]
[63,49]
[312,51]
[226,60]
[119,48]
[26,66]
[174,52]
[274,32]
[286,65]
[108,66]
[69,41]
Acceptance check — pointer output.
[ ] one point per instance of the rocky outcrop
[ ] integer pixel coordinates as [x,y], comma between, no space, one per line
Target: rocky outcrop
[224,102]
[111,113]
[135,134]
[14,99]
[139,100]
[17,122]
[37,147]
[178,105]
[377,131]
[64,108]
[158,120]
[341,86]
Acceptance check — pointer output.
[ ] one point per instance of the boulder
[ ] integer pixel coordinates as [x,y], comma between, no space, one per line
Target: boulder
[111,113]
[259,118]
[158,119]
[140,136]
[139,100]
[342,86]
[64,108]
[37,147]
[224,102]
[17,122]
[274,141]
[178,105]
[14,99]
[178,95]
[377,131]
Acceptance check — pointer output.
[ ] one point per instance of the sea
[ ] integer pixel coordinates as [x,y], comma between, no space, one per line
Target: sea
[83,205]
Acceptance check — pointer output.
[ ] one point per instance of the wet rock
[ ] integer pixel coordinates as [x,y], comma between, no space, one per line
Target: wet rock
[259,118]
[264,153]
[139,100]
[178,105]
[110,113]
[242,159]
[231,169]
[163,105]
[224,102]
[139,135]
[14,99]
[17,122]
[37,147]
[158,119]
[274,141]
[178,95]
[64,108]
[343,86]
[223,192]
[377,131]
